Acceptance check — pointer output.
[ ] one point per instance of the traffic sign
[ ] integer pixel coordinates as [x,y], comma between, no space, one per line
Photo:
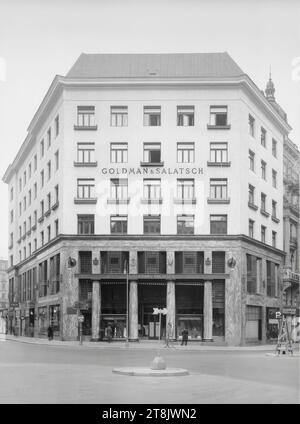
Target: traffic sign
[278,315]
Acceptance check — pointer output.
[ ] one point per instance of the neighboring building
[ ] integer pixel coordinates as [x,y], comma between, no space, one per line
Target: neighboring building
[291,229]
[3,288]
[168,166]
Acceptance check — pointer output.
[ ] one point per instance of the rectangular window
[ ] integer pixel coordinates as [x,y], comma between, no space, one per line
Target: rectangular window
[56,192]
[24,178]
[29,170]
[118,152]
[152,116]
[118,224]
[251,125]
[218,224]
[185,152]
[254,275]
[263,234]
[274,209]
[218,116]
[185,116]
[218,152]
[35,190]
[119,188]
[20,208]
[251,160]
[85,152]
[274,178]
[49,169]
[42,238]
[35,162]
[35,243]
[272,279]
[251,192]
[49,201]
[85,116]
[86,188]
[152,152]
[49,137]
[12,193]
[218,188]
[218,262]
[185,189]
[24,203]
[49,232]
[29,198]
[42,178]
[57,126]
[56,227]
[274,148]
[86,224]
[20,184]
[119,116]
[251,228]
[263,170]
[11,216]
[42,207]
[42,148]
[152,189]
[263,137]
[35,217]
[263,198]
[56,160]
[274,238]
[151,224]
[185,224]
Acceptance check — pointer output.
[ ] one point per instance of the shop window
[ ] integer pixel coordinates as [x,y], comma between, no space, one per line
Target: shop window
[85,261]
[218,262]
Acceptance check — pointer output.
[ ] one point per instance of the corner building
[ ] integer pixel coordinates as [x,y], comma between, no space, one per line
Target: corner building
[163,170]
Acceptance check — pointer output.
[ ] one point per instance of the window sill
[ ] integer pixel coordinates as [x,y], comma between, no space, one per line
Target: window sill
[86,128]
[89,201]
[264,213]
[222,164]
[55,206]
[118,201]
[85,164]
[218,201]
[218,127]
[275,219]
[178,201]
[152,163]
[41,219]
[47,213]
[252,206]
[151,201]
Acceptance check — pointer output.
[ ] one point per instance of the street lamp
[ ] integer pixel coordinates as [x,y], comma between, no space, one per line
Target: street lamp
[126,270]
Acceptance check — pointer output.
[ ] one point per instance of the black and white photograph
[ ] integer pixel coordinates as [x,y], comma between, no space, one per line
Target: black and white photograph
[149,206]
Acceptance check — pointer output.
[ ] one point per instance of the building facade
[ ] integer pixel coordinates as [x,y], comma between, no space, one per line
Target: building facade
[3,288]
[149,181]
[291,230]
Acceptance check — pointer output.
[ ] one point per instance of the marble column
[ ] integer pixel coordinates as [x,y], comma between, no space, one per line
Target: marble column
[171,307]
[96,310]
[133,311]
[207,311]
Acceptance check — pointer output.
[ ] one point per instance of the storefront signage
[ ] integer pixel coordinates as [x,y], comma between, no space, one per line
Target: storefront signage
[152,171]
[71,311]
[14,304]
[81,305]
[288,311]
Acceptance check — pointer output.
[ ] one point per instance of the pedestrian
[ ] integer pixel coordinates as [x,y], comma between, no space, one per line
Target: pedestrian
[50,333]
[109,333]
[168,335]
[185,336]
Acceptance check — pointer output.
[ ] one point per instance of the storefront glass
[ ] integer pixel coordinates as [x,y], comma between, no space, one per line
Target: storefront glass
[272,324]
[54,317]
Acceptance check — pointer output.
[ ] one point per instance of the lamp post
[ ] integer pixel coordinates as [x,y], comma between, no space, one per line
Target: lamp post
[126,270]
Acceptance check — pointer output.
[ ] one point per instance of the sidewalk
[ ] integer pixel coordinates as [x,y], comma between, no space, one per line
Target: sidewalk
[144,344]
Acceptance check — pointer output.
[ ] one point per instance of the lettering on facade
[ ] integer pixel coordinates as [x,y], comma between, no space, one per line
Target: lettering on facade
[152,171]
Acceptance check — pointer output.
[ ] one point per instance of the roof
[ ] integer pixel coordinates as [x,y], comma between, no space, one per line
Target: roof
[154,65]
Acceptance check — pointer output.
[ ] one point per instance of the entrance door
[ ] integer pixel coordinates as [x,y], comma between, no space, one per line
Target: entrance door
[151,296]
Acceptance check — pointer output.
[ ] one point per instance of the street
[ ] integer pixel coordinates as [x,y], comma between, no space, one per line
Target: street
[75,374]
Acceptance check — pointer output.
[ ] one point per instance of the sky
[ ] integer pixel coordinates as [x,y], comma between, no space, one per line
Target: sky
[42,38]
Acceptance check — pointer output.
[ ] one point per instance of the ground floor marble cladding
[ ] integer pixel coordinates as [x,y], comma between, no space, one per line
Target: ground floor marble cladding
[70,296]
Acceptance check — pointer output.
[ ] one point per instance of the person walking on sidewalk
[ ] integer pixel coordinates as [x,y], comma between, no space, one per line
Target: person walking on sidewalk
[185,336]
[50,333]
[109,333]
